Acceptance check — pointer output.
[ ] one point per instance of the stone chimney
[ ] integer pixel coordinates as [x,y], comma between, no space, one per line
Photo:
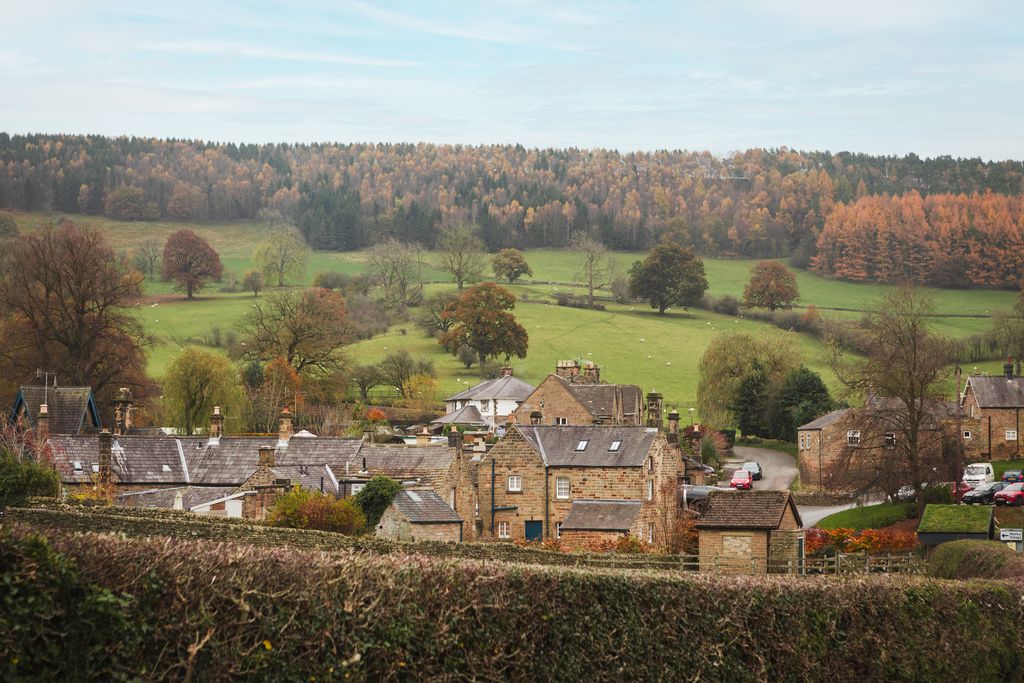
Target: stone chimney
[106,444]
[43,423]
[179,501]
[455,440]
[654,409]
[123,406]
[423,437]
[1008,368]
[266,456]
[591,372]
[216,425]
[506,372]
[673,426]
[284,430]
[567,369]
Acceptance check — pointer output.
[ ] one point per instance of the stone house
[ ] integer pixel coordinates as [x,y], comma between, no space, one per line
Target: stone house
[572,396]
[420,515]
[990,420]
[820,444]
[750,532]
[531,481]
[56,410]
[488,404]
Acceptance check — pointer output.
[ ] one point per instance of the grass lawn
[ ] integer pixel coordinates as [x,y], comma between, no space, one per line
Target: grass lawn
[868,516]
[1001,466]
[955,519]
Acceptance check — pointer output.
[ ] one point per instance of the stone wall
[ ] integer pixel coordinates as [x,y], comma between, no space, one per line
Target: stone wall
[578,540]
[988,427]
[733,551]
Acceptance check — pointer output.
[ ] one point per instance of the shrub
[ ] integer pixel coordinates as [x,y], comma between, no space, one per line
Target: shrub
[22,478]
[974,559]
[375,497]
[304,509]
[330,280]
[871,541]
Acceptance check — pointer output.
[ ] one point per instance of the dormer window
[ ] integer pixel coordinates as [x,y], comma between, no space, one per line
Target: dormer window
[582,445]
[615,446]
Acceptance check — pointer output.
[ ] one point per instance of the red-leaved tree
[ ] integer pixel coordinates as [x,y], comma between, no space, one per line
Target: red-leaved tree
[484,323]
[190,261]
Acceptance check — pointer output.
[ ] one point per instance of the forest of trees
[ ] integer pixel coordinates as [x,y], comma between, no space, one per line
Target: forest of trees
[756,203]
[948,240]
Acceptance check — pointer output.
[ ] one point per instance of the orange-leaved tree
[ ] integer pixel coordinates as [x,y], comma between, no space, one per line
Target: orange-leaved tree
[771,286]
[484,323]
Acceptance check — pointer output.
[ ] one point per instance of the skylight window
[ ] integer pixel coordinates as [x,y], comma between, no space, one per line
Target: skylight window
[78,465]
[415,496]
[582,445]
[615,446]
[96,467]
[165,468]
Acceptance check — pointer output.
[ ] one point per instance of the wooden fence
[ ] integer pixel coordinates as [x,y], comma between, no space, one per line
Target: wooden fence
[845,563]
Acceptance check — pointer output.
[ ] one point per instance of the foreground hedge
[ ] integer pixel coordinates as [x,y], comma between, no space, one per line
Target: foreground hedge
[105,607]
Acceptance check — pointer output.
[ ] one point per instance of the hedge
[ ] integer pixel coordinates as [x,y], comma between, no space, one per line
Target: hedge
[104,607]
[975,560]
[176,524]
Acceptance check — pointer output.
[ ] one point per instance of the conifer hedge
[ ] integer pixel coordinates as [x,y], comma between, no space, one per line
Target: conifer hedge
[101,606]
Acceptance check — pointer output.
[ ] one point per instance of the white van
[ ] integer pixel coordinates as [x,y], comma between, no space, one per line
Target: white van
[978,473]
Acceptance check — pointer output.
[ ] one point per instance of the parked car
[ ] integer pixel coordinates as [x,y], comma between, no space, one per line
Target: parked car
[742,479]
[1013,476]
[984,494]
[754,468]
[962,488]
[979,473]
[1011,495]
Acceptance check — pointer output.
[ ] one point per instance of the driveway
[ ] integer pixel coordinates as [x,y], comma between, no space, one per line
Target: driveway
[778,468]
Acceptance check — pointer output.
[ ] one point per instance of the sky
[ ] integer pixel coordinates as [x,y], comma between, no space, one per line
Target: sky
[931,77]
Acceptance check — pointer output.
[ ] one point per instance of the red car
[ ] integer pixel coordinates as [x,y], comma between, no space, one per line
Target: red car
[1011,495]
[742,479]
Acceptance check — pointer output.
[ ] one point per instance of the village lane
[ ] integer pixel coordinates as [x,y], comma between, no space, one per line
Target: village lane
[779,469]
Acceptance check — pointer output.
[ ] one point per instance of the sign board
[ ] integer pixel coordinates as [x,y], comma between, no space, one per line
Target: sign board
[1011,534]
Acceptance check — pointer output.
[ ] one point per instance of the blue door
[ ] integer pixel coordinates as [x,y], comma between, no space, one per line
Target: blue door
[534,531]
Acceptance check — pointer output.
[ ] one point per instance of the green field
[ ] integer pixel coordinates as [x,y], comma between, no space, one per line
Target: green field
[868,516]
[630,342]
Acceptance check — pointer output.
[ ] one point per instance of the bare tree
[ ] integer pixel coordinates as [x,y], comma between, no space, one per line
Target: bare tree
[398,269]
[597,269]
[284,254]
[147,256]
[896,439]
[462,254]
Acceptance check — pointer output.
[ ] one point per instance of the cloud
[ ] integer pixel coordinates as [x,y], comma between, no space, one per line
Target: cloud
[867,15]
[260,52]
[489,31]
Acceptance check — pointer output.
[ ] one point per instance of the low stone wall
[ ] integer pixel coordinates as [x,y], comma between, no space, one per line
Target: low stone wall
[821,498]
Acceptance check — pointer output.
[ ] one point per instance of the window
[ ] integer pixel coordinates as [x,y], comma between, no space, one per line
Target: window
[558,530]
[515,483]
[561,421]
[650,532]
[805,441]
[650,464]
[1011,434]
[502,529]
[853,437]
[650,489]
[562,488]
[615,446]
[78,465]
[582,445]
[165,468]
[890,439]
[356,488]
[967,433]
[96,467]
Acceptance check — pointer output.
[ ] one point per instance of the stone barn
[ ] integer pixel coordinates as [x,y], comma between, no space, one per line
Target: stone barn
[420,515]
[750,532]
[592,522]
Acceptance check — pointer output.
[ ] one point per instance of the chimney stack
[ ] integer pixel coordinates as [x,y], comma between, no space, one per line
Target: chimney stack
[43,423]
[506,372]
[423,438]
[654,409]
[284,431]
[266,456]
[122,411]
[216,424]
[106,444]
[591,372]
[567,369]
[1008,368]
[673,426]
[455,440]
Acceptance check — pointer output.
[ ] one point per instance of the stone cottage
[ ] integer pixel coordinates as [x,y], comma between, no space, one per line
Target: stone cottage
[420,515]
[575,395]
[750,532]
[991,416]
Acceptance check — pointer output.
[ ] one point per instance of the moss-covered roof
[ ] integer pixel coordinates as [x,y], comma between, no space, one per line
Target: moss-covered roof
[955,519]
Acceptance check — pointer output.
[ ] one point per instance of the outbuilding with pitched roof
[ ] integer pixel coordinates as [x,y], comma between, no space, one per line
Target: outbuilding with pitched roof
[750,532]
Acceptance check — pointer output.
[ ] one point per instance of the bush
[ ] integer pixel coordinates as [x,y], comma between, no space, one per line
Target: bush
[116,609]
[375,497]
[21,478]
[726,305]
[870,541]
[327,279]
[973,559]
[304,509]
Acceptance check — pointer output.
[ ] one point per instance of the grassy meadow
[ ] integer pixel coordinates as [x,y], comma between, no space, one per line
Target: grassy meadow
[630,342]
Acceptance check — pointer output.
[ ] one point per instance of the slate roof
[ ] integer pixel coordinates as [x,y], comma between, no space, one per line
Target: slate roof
[824,421]
[133,459]
[425,507]
[71,409]
[557,444]
[309,477]
[466,415]
[601,399]
[997,391]
[191,496]
[602,515]
[511,388]
[746,510]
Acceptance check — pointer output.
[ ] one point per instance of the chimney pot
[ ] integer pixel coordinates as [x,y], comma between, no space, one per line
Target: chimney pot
[455,439]
[506,371]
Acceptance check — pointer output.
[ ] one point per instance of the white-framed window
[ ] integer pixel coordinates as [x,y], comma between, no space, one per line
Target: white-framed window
[967,433]
[561,421]
[853,437]
[650,532]
[1011,434]
[562,488]
[582,445]
[515,483]
[972,410]
[77,465]
[502,529]
[95,468]
[558,530]
[650,489]
[890,439]
[356,488]
[650,463]
[805,441]
[615,446]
